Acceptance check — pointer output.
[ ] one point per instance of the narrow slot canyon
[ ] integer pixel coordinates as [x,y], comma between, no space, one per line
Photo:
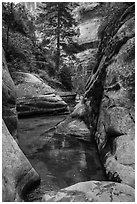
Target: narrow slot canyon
[68,102]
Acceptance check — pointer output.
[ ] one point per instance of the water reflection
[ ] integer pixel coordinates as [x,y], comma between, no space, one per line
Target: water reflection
[61,161]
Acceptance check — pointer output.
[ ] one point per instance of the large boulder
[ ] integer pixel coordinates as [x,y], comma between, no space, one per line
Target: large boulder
[93,191]
[17,173]
[9,113]
[75,128]
[34,96]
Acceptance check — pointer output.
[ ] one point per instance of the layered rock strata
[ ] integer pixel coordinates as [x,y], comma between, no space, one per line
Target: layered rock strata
[36,97]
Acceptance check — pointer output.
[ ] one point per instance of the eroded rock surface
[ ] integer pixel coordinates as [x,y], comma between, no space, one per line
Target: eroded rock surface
[9,113]
[74,127]
[34,96]
[111,91]
[93,191]
[67,96]
[88,30]
[17,172]
[116,121]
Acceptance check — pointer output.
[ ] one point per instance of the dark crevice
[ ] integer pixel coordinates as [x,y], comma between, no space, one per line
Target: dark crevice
[114,87]
[132,118]
[77,48]
[108,48]
[111,135]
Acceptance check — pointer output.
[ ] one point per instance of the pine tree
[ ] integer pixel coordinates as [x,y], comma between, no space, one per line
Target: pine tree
[58,25]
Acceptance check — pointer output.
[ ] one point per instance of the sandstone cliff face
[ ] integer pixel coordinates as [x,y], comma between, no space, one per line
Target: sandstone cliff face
[17,172]
[88,40]
[88,30]
[116,122]
[111,92]
[9,113]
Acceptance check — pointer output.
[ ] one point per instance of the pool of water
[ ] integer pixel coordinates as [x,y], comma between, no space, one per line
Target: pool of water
[60,161]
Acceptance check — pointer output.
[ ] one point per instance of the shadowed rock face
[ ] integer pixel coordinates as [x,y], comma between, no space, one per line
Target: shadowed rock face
[67,96]
[111,91]
[36,97]
[116,124]
[93,191]
[17,173]
[9,113]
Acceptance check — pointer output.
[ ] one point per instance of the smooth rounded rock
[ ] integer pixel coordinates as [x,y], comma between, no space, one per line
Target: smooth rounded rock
[36,97]
[17,173]
[74,127]
[93,191]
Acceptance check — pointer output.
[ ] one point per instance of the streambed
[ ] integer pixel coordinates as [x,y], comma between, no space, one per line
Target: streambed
[60,161]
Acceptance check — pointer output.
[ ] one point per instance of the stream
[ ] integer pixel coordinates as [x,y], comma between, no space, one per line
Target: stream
[60,161]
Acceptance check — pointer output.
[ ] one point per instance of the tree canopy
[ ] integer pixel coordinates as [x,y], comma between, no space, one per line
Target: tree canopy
[57,25]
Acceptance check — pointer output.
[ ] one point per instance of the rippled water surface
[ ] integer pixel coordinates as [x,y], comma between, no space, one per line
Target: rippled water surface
[61,161]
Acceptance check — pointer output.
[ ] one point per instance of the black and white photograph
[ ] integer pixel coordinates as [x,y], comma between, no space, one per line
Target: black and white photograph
[68,101]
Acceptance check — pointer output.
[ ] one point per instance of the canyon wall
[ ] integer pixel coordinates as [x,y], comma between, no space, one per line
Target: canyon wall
[111,94]
[17,173]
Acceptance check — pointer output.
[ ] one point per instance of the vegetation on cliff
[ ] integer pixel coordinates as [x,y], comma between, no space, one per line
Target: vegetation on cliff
[45,43]
[33,43]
